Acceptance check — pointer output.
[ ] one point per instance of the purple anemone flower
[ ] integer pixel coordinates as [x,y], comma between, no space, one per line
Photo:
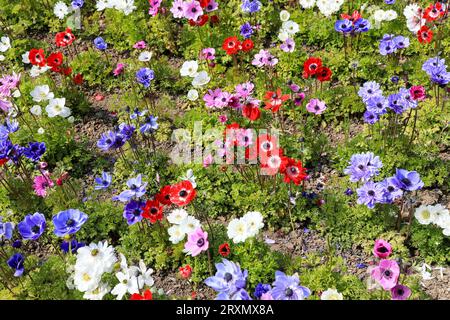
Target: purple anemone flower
[370,194]
[32,226]
[407,180]
[288,288]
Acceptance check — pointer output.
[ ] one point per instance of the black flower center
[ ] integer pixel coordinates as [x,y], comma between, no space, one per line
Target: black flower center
[200,242]
[288,292]
[153,210]
[387,273]
[70,223]
[35,229]
[406,181]
[371,193]
[183,193]
[228,277]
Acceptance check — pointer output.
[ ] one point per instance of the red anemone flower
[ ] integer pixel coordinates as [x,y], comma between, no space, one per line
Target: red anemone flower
[274,100]
[3,161]
[182,193]
[271,162]
[204,3]
[293,171]
[78,79]
[434,11]
[224,250]
[247,45]
[266,145]
[64,38]
[231,45]
[55,60]
[164,196]
[147,295]
[425,35]
[310,67]
[355,16]
[214,19]
[201,21]
[186,271]
[153,211]
[251,111]
[37,57]
[323,74]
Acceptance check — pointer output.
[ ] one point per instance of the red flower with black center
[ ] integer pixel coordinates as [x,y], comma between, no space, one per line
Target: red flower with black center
[323,74]
[182,193]
[147,295]
[231,45]
[224,250]
[37,57]
[293,171]
[311,66]
[266,144]
[247,45]
[54,60]
[153,211]
[164,196]
[64,38]
[274,100]
[434,11]
[78,79]
[425,35]
[251,111]
[201,21]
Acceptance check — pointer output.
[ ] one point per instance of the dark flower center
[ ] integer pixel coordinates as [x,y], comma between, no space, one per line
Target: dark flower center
[137,212]
[387,273]
[406,181]
[200,242]
[183,193]
[390,188]
[369,91]
[35,229]
[153,210]
[228,277]
[371,193]
[70,223]
[400,292]
[382,250]
[360,167]
[288,292]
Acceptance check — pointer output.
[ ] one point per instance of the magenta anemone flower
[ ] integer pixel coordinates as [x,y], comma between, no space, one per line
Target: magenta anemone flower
[41,184]
[197,242]
[140,45]
[386,274]
[316,106]
[400,292]
[192,10]
[382,249]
